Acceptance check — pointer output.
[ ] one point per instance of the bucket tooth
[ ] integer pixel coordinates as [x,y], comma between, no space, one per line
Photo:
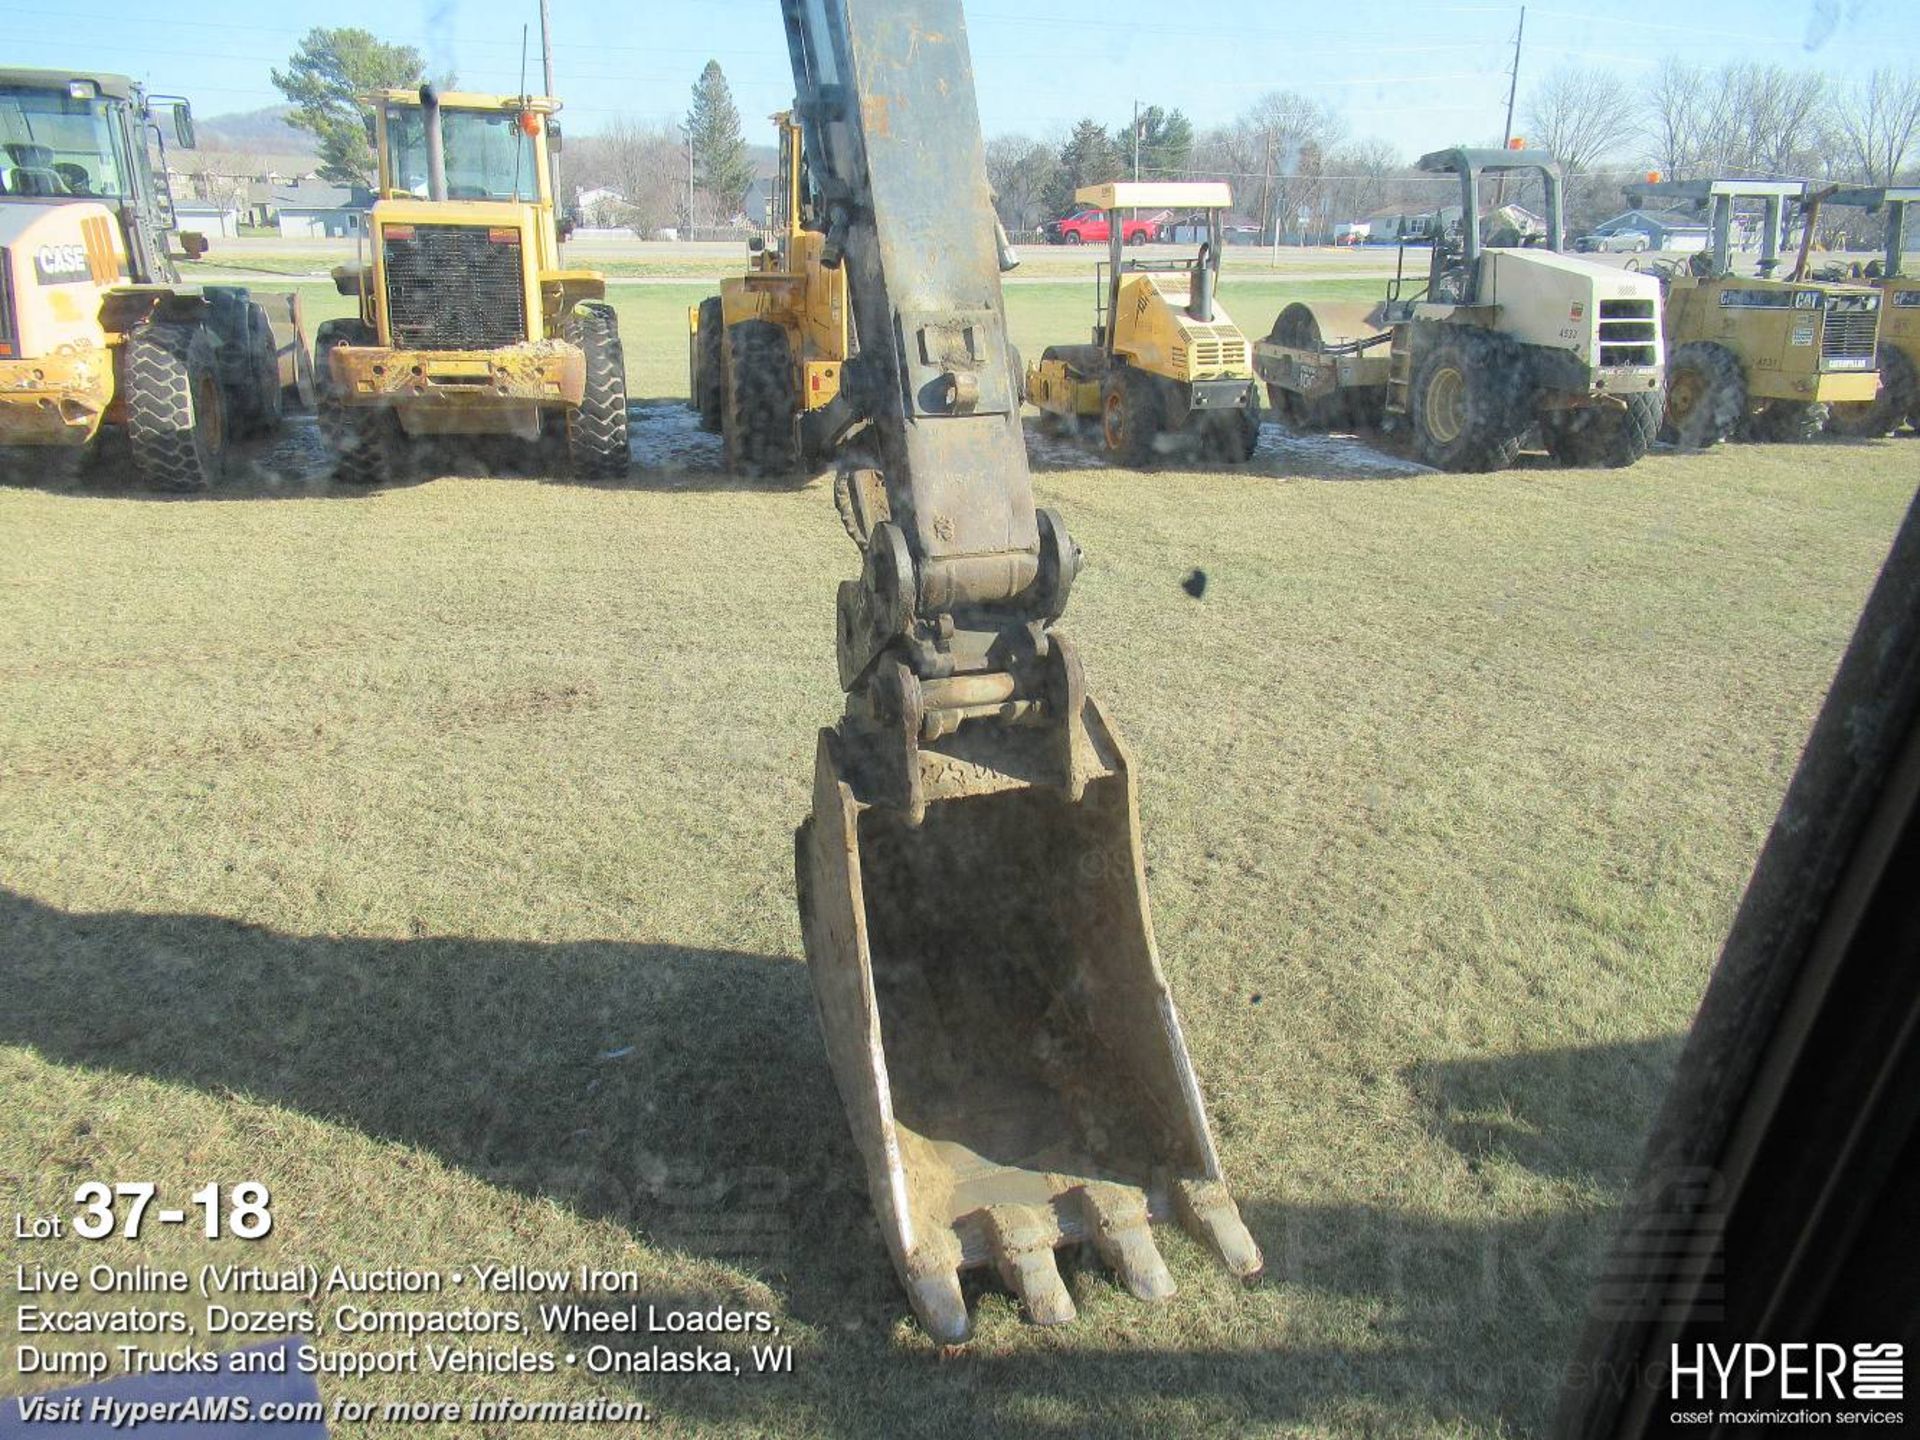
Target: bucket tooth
[1208,1214]
[1021,1239]
[1116,1221]
[938,1303]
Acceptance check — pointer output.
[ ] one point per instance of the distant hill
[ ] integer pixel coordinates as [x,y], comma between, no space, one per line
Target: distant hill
[255,132]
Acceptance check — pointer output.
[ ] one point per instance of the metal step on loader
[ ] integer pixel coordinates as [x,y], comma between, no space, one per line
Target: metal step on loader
[971,884]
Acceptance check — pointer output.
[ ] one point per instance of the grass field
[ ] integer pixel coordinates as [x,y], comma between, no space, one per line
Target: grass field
[344,837]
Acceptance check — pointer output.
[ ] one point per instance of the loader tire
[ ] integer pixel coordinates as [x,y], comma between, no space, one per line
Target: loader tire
[1597,437]
[176,410]
[1787,422]
[596,428]
[1899,393]
[365,440]
[1706,396]
[709,377]
[1131,416]
[256,406]
[760,402]
[1467,395]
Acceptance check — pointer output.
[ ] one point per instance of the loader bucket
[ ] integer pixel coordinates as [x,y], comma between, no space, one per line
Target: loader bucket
[1001,1035]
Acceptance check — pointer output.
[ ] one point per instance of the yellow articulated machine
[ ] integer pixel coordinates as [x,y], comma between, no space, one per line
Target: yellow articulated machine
[1502,339]
[765,355]
[96,330]
[1757,357]
[1167,367]
[1897,400]
[468,325]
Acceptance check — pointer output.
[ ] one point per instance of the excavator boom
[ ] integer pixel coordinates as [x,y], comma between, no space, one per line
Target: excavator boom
[971,883]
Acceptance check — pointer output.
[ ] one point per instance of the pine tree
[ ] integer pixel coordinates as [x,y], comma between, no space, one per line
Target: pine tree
[1088,158]
[723,169]
[325,79]
[1166,144]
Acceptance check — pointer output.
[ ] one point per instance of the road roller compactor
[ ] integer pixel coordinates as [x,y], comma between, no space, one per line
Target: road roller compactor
[1760,356]
[1500,339]
[1168,369]
[1897,401]
[971,885]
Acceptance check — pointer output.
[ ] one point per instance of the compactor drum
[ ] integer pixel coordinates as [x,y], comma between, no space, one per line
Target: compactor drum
[971,886]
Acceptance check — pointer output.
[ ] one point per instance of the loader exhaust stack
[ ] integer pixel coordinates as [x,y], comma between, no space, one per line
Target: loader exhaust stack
[436,143]
[971,883]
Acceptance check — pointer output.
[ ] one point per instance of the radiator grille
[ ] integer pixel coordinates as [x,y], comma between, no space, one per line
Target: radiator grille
[1210,351]
[1849,336]
[1629,334]
[454,287]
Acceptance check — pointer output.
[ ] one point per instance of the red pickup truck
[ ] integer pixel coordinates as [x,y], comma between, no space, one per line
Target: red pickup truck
[1089,227]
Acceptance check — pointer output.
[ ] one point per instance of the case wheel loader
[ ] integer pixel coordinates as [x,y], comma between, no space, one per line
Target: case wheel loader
[1502,341]
[1897,357]
[468,323]
[971,884]
[97,332]
[1167,367]
[765,355]
[1758,357]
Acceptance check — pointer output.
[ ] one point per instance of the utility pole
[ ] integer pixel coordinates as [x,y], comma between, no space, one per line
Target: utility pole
[1513,89]
[1136,140]
[546,68]
[689,130]
[546,45]
[1513,75]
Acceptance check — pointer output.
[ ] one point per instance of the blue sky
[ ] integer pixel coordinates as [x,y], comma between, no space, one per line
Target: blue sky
[1413,74]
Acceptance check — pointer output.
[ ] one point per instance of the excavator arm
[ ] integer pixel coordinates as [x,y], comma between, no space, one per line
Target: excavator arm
[971,882]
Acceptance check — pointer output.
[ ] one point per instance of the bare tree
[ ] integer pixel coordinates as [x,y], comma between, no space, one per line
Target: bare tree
[646,169]
[1877,122]
[1273,155]
[1021,170]
[1582,115]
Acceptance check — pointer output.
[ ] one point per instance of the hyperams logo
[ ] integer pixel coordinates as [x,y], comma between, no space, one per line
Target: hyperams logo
[61,264]
[1762,1384]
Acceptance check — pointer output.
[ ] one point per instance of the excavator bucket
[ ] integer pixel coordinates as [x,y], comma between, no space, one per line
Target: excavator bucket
[1000,1031]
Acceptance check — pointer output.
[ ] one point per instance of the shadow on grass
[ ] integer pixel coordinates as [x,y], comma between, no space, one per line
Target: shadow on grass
[683,1094]
[1569,1114]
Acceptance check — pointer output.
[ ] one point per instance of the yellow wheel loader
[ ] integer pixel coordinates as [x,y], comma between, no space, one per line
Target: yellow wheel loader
[1897,401]
[1763,356]
[1167,367]
[468,323]
[764,356]
[971,883]
[1502,339]
[97,332]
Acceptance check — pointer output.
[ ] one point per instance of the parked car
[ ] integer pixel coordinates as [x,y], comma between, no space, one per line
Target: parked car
[1089,227]
[1632,242]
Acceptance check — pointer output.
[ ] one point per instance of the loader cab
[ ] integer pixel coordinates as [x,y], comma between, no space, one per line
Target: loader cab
[495,147]
[67,138]
[790,203]
[1453,269]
